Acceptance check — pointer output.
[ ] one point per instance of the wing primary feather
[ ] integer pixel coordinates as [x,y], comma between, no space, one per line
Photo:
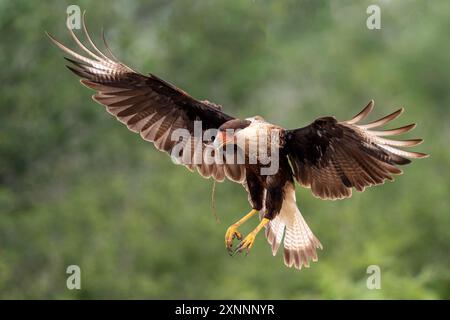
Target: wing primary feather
[392,132]
[78,72]
[85,29]
[107,46]
[71,52]
[398,143]
[403,153]
[82,46]
[363,114]
[383,121]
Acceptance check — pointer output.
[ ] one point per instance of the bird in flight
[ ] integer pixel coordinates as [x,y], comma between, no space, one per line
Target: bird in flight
[328,156]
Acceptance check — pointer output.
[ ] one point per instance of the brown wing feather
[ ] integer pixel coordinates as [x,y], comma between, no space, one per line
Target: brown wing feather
[149,105]
[333,157]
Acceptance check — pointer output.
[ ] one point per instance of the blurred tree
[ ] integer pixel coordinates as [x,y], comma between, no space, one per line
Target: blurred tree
[77,188]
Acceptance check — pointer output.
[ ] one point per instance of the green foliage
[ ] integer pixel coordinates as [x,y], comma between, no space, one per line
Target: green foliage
[77,188]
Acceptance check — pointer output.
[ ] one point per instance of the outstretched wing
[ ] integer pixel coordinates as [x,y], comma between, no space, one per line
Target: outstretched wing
[332,157]
[153,108]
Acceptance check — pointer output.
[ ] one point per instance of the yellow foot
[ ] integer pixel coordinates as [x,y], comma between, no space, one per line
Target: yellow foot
[248,241]
[246,244]
[231,233]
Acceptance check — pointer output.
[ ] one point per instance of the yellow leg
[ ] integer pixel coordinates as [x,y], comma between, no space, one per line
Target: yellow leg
[247,243]
[232,231]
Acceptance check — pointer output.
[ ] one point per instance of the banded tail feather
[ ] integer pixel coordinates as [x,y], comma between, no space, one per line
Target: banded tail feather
[290,228]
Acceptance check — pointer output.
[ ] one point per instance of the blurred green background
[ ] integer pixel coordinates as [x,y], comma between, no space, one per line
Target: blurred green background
[77,188]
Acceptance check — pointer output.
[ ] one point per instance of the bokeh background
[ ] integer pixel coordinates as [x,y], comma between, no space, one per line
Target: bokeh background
[77,188]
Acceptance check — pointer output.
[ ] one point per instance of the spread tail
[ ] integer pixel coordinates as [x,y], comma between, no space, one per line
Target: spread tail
[300,244]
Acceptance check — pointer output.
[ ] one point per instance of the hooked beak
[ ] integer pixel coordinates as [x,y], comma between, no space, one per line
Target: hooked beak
[222,139]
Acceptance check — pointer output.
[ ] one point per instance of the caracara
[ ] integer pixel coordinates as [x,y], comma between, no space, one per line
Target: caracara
[328,156]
